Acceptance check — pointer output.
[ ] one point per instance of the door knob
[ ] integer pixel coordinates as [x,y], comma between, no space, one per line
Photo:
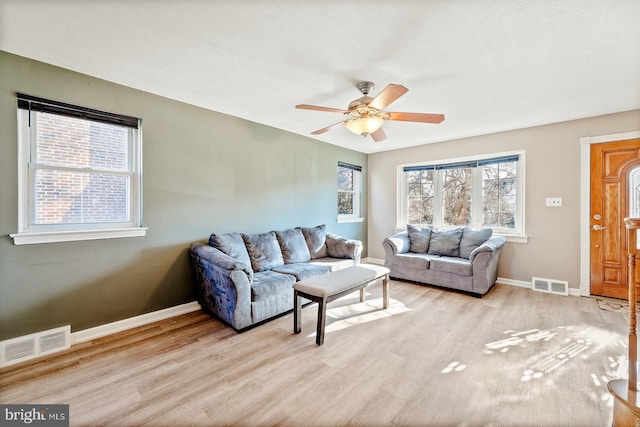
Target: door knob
[598,227]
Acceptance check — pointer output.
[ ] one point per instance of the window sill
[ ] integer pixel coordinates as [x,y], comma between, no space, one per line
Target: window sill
[74,236]
[349,219]
[514,238]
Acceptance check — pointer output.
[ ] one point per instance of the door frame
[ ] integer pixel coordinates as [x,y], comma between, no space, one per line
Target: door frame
[585,202]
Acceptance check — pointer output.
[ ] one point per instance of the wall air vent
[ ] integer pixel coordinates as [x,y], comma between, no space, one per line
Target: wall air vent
[28,347]
[552,286]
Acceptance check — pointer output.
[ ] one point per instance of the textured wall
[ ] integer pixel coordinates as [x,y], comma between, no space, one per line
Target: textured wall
[552,169]
[203,172]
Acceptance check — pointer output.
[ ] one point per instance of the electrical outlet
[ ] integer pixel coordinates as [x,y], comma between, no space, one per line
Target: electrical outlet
[554,201]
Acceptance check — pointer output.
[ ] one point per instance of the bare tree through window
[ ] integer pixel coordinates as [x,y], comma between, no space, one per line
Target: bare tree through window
[456,196]
[499,195]
[349,188]
[480,193]
[420,191]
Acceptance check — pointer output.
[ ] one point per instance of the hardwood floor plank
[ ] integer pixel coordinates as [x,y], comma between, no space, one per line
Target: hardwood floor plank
[435,357]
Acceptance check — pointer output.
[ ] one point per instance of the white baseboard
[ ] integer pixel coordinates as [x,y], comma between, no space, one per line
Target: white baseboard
[509,282]
[132,322]
[522,284]
[368,260]
[516,283]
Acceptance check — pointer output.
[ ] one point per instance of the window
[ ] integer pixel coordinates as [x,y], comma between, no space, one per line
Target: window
[486,192]
[634,192]
[79,173]
[349,192]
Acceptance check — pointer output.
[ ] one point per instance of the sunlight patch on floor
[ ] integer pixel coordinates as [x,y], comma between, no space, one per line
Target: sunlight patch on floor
[454,366]
[550,362]
[539,353]
[516,338]
[362,312]
[565,344]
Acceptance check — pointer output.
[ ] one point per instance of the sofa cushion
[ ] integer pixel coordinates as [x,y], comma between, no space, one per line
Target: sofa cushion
[472,238]
[303,270]
[458,266]
[445,242]
[264,250]
[231,244]
[334,264]
[293,246]
[315,238]
[269,283]
[419,238]
[413,260]
[341,247]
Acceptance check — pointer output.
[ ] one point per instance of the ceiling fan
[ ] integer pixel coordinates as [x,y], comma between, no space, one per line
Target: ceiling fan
[367,115]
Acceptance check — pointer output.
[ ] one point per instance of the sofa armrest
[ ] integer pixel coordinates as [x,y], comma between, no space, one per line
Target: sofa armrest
[485,260]
[224,285]
[491,245]
[398,243]
[341,247]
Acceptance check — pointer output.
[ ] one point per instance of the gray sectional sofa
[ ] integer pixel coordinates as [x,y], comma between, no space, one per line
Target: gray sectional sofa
[461,258]
[246,279]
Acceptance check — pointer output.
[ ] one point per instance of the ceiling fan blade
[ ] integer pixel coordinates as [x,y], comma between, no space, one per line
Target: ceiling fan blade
[317,108]
[378,135]
[323,130]
[416,117]
[387,96]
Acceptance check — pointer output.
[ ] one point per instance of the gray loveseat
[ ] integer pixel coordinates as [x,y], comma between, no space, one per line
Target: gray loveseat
[460,258]
[246,279]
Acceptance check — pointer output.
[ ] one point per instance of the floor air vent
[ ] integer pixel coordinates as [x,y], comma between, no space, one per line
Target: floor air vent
[551,286]
[27,347]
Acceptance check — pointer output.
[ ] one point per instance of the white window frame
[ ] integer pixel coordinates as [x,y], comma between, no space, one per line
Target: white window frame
[516,235]
[29,233]
[356,216]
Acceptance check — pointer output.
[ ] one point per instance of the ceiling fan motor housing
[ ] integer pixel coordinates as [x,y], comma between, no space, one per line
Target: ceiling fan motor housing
[365,87]
[363,101]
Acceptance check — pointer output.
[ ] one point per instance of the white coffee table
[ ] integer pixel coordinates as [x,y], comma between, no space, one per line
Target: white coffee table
[334,285]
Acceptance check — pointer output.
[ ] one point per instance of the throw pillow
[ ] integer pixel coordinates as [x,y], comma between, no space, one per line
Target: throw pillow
[445,242]
[472,238]
[264,251]
[231,244]
[418,238]
[294,247]
[315,238]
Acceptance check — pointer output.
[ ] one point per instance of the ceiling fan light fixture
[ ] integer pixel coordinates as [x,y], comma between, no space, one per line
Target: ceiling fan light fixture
[364,125]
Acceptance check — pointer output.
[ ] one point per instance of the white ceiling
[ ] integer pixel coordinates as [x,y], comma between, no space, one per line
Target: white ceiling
[488,65]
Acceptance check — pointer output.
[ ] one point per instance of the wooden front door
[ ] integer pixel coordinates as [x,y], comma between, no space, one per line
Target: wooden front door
[610,164]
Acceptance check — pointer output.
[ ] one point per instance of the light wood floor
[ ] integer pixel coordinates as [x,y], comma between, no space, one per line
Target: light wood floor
[513,358]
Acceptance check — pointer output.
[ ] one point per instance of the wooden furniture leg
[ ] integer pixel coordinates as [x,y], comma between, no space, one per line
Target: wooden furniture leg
[297,312]
[322,319]
[385,292]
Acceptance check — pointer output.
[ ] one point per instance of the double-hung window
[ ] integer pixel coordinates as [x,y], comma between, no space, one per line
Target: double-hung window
[80,173]
[479,192]
[349,192]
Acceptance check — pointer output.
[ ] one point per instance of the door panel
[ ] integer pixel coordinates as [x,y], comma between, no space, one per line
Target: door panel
[610,164]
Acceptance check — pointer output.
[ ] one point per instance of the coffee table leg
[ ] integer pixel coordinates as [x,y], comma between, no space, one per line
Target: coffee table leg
[385,291]
[362,295]
[322,317]
[297,313]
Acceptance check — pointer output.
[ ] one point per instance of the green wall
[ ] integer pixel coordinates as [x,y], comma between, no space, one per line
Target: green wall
[203,172]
